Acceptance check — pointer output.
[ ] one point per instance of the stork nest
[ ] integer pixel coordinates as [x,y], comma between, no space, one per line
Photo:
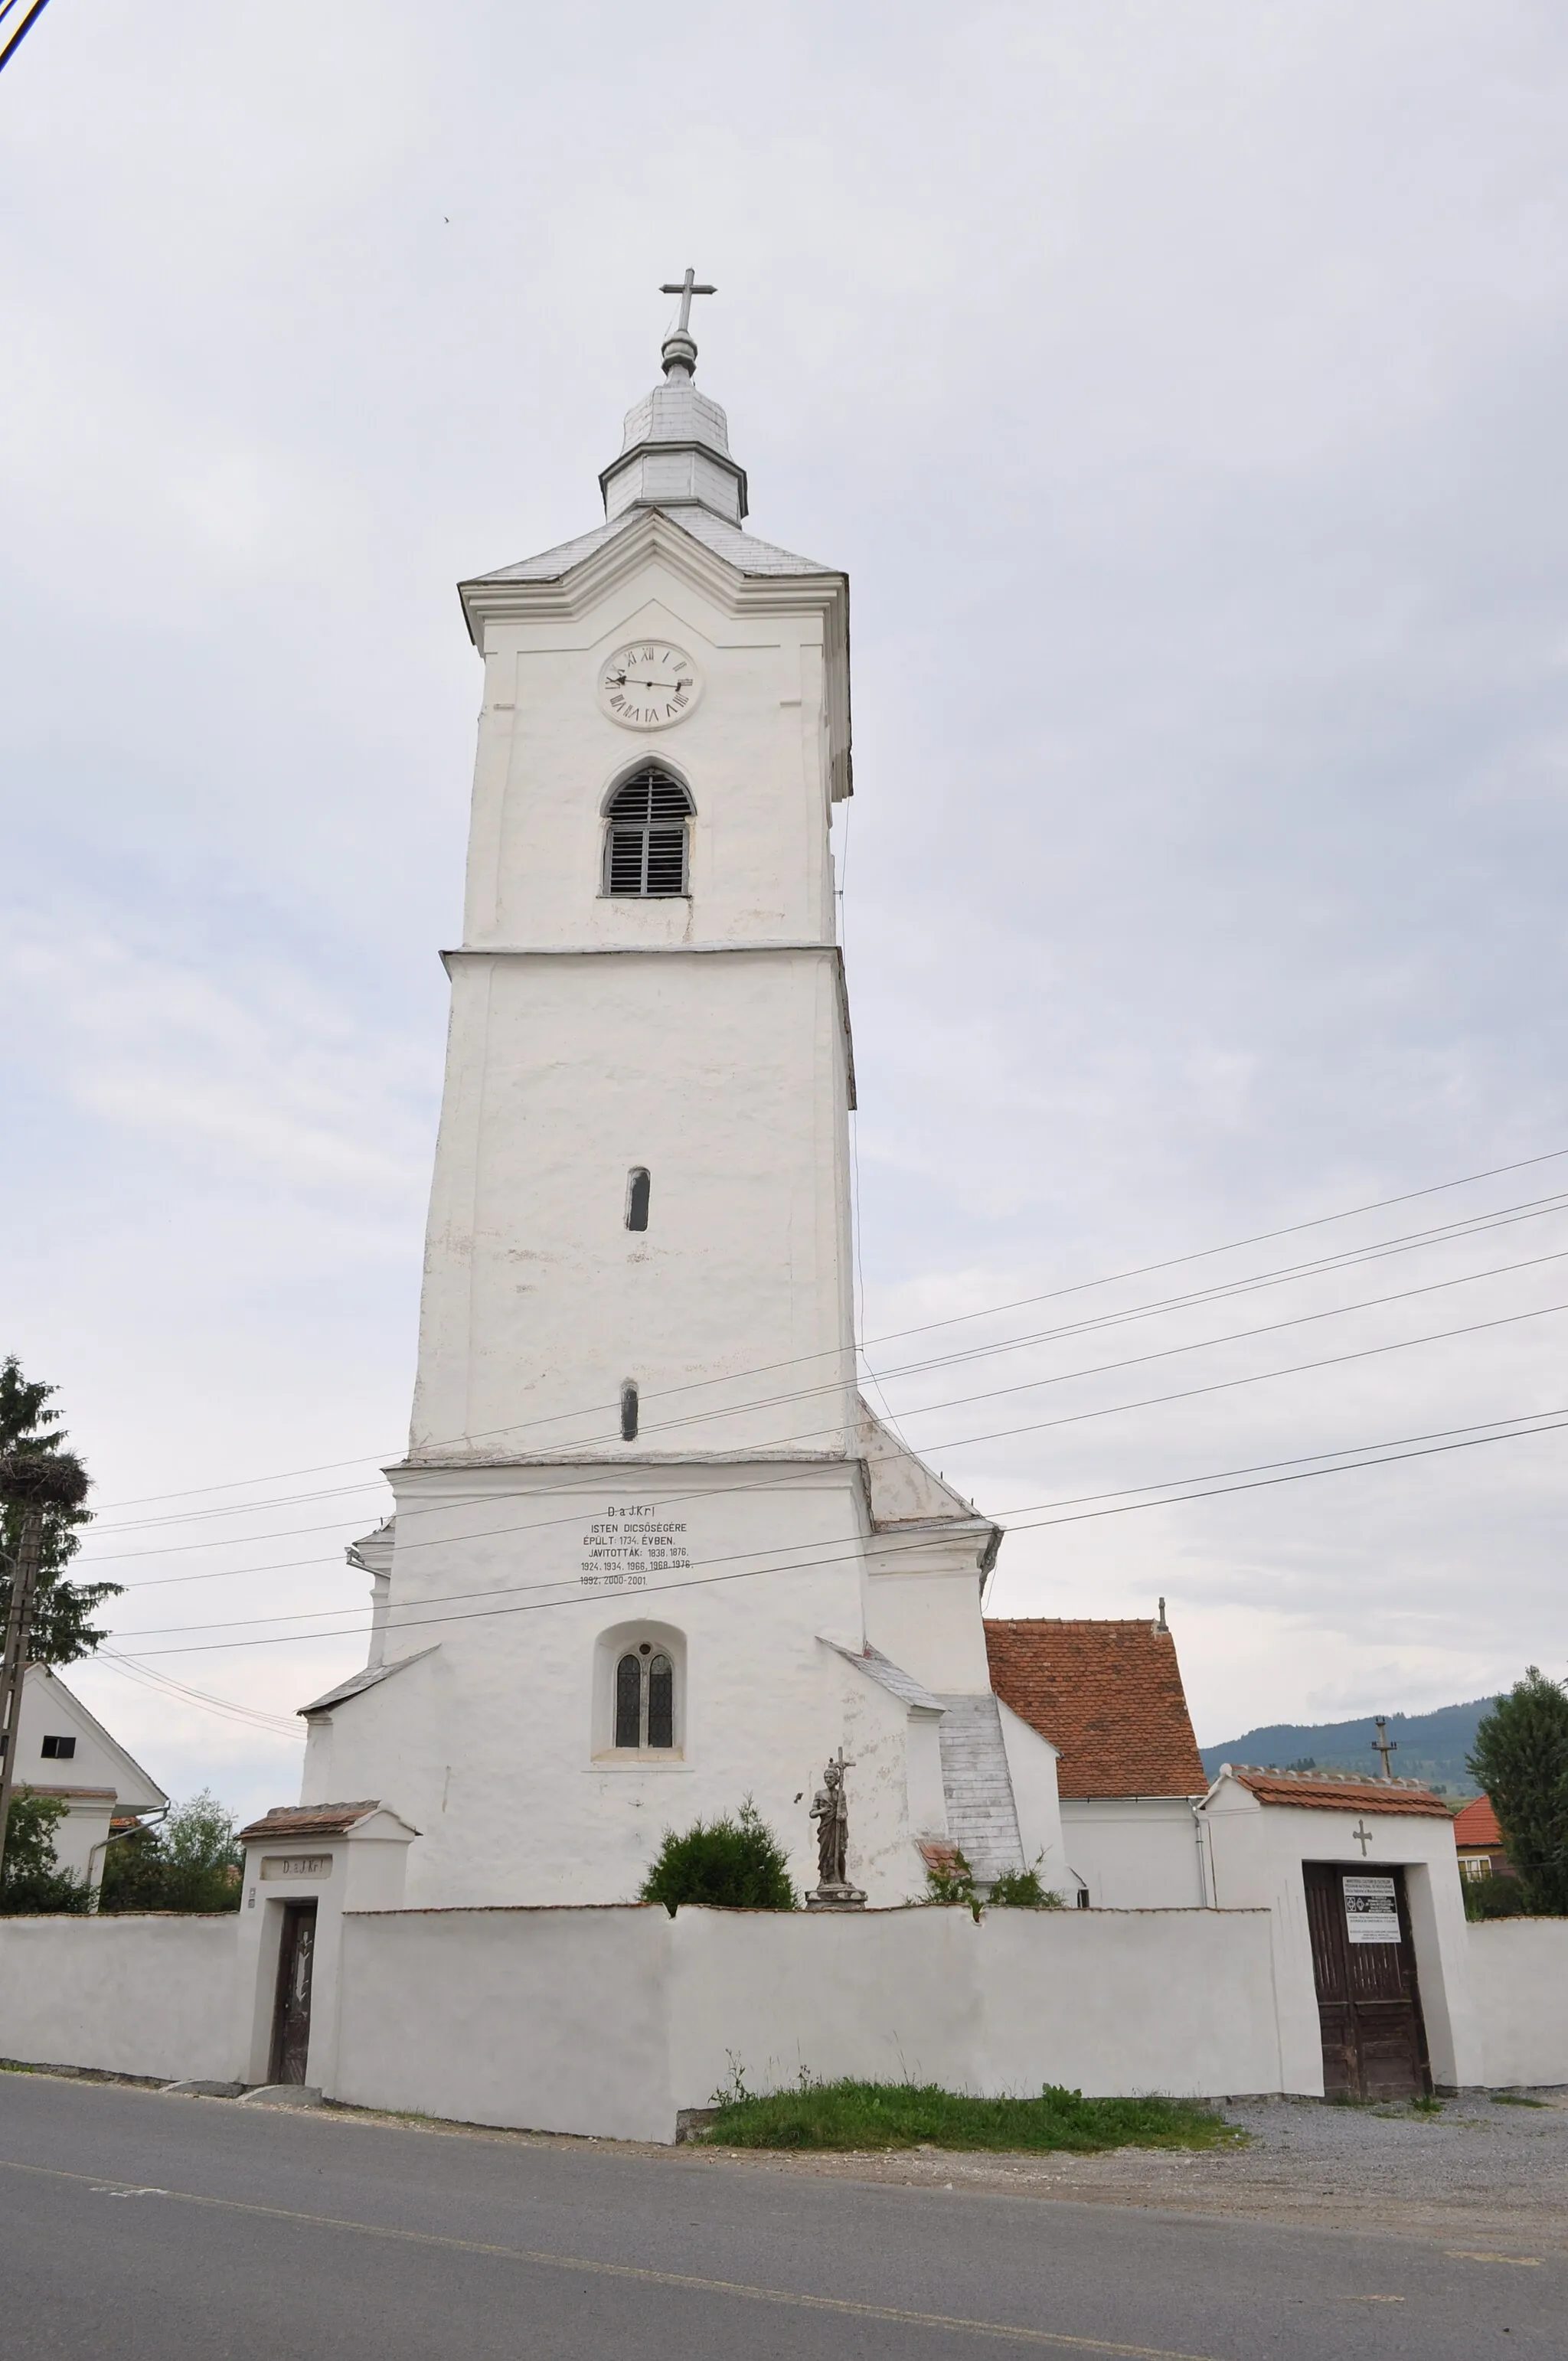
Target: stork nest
[41,1479]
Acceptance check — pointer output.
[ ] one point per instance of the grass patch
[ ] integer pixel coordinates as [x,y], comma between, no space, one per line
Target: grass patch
[903,2114]
[1515,2099]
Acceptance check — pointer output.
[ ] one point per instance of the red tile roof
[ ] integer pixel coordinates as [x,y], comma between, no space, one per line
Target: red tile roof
[289,1820]
[1108,1695]
[1320,1791]
[1477,1825]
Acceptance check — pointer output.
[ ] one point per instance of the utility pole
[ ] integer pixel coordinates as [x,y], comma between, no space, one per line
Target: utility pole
[1383,1744]
[35,1482]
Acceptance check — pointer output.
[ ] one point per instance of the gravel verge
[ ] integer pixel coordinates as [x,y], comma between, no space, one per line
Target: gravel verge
[1473,2172]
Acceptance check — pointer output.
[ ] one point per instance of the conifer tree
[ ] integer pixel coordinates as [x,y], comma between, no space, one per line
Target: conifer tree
[1521,1760]
[62,1625]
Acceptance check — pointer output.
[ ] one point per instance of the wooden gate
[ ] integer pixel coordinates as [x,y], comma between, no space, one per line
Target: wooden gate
[1364,1964]
[291,2013]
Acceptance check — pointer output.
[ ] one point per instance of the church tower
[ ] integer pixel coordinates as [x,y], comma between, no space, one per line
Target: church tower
[652,1555]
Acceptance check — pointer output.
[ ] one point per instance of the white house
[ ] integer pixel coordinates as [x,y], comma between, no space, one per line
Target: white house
[62,1752]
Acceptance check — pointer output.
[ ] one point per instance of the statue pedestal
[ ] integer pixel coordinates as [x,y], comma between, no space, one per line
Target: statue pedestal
[836,1897]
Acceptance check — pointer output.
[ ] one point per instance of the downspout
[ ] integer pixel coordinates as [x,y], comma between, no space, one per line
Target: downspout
[95,1890]
[1204,1881]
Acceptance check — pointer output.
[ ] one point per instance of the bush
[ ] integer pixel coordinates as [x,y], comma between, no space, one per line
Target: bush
[1493,1897]
[900,2114]
[190,1863]
[726,1864]
[1020,1889]
[949,1884]
[32,1880]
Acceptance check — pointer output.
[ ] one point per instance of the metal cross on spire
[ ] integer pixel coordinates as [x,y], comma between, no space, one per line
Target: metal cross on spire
[680,347]
[686,288]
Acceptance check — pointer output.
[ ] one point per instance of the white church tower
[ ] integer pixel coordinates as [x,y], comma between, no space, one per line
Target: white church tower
[652,1555]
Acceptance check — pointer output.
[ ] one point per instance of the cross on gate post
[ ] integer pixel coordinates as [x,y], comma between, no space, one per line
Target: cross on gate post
[1362,1834]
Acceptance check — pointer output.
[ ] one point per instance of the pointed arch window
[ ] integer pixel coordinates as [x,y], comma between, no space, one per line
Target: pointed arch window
[644,1699]
[645,844]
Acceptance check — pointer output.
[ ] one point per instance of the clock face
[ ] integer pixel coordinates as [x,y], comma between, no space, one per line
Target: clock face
[648,685]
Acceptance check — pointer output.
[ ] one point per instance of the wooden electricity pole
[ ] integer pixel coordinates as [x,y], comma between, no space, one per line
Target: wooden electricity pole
[35,1482]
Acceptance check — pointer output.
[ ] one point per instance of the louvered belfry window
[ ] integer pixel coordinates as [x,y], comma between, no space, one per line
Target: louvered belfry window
[646,854]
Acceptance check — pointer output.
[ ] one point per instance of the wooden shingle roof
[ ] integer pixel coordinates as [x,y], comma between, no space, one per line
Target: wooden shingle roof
[1108,1695]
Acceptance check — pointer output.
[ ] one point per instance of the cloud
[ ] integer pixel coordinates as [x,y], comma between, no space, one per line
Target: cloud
[1183,390]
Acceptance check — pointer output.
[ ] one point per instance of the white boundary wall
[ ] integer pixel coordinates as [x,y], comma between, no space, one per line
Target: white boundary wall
[151,1997]
[610,2021]
[1519,1975]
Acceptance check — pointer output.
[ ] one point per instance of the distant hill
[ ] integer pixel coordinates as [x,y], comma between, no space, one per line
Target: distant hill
[1432,1746]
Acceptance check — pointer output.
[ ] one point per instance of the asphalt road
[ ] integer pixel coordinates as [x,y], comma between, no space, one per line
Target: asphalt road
[147,2227]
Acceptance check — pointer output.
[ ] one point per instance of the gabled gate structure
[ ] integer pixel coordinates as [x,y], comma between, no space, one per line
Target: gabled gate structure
[1371,1955]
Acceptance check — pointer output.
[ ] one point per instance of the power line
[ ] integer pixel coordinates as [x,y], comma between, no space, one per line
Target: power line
[1413,1242]
[9,48]
[1262,1238]
[1031,1385]
[161,1684]
[1528,1420]
[1123,1508]
[796,1469]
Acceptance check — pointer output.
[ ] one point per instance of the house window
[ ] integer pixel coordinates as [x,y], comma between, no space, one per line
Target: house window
[645,1699]
[645,843]
[59,1750]
[639,1186]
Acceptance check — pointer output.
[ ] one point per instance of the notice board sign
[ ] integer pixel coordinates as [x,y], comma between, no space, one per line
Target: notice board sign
[1371,1910]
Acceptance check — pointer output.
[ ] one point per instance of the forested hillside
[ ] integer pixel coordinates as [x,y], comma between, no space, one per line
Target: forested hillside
[1432,1746]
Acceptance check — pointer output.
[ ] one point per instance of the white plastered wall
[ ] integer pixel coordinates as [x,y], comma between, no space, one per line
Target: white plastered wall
[490,1746]
[702,1036]
[1134,1852]
[363,1868]
[1255,1854]
[1519,1978]
[1032,1766]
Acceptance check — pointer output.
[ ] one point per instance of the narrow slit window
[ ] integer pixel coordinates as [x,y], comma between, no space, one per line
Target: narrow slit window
[639,1185]
[629,1412]
[645,847]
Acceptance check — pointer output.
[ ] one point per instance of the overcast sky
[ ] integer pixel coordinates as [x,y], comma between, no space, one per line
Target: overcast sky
[1182,387]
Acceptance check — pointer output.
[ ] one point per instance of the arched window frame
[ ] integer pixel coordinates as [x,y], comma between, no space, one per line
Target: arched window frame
[647,1645]
[655,836]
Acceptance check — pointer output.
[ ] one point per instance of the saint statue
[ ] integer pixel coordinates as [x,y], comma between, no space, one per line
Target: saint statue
[830,1810]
